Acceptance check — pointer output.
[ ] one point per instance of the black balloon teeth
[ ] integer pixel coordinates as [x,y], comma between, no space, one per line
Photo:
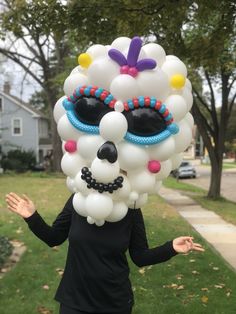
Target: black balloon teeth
[100,187]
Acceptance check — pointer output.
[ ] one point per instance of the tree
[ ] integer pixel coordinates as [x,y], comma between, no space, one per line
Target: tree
[210,40]
[34,35]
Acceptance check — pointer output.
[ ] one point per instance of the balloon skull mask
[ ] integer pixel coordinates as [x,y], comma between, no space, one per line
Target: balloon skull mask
[124,122]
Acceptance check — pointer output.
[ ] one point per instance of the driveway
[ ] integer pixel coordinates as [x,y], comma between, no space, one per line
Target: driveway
[227,184]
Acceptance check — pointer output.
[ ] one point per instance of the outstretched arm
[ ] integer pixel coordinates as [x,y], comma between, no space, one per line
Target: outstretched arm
[142,255]
[51,235]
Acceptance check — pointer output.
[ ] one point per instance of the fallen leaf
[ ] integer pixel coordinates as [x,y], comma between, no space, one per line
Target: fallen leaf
[181,287]
[195,272]
[142,289]
[45,287]
[142,271]
[219,286]
[192,260]
[215,268]
[204,299]
[55,248]
[60,271]
[204,289]
[228,294]
[179,276]
[43,310]
[149,267]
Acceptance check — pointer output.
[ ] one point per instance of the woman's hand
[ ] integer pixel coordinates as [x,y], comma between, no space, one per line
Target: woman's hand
[186,245]
[23,206]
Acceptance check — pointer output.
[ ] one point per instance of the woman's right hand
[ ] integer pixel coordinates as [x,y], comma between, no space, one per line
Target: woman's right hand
[22,206]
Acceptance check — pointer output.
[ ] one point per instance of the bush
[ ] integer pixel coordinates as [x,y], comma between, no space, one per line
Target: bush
[5,250]
[18,160]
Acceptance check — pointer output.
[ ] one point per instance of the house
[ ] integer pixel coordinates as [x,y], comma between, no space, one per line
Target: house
[22,127]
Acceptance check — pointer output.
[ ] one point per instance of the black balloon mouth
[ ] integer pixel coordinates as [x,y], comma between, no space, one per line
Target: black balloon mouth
[98,186]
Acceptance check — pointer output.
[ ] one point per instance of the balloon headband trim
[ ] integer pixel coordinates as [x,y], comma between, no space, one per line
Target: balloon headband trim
[131,65]
[131,104]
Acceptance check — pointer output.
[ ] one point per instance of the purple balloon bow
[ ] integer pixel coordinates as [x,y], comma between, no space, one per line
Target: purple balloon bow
[130,65]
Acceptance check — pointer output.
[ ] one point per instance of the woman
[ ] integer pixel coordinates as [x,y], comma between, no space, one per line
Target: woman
[96,276]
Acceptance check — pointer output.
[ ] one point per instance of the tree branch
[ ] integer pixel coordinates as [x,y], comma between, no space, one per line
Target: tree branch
[201,100]
[8,52]
[213,104]
[26,68]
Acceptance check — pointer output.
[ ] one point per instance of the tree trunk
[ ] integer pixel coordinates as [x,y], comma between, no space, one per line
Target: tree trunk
[215,182]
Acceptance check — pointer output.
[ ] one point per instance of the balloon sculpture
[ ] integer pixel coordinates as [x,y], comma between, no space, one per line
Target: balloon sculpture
[124,121]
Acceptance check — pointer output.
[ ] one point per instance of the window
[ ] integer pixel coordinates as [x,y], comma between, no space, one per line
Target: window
[17,126]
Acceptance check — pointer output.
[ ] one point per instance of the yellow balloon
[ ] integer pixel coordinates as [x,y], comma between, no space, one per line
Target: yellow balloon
[177,81]
[84,60]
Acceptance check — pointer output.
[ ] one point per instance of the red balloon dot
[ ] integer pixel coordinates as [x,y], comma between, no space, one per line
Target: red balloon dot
[70,146]
[154,166]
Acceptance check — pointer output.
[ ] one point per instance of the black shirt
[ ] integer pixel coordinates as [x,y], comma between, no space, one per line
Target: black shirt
[96,276]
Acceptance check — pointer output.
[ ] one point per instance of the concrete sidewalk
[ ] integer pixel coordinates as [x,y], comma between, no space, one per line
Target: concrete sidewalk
[219,233]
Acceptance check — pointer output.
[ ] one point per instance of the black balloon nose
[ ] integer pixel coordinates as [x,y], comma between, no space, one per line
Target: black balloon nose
[108,151]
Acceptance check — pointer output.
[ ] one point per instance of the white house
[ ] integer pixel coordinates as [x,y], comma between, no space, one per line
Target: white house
[22,127]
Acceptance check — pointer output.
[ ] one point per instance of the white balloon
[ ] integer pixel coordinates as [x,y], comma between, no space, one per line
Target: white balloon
[188,84]
[97,51]
[59,110]
[71,164]
[188,96]
[132,156]
[98,205]
[73,81]
[88,145]
[81,185]
[153,83]
[174,66]
[166,167]
[79,69]
[113,126]
[133,196]
[163,150]
[124,192]
[141,181]
[183,138]
[102,71]
[79,204]
[171,57]
[177,106]
[104,171]
[119,211]
[66,129]
[156,52]
[121,43]
[142,200]
[70,184]
[176,160]
[157,187]
[99,222]
[189,119]
[124,87]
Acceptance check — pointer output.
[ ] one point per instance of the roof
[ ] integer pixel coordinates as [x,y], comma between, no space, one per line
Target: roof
[36,113]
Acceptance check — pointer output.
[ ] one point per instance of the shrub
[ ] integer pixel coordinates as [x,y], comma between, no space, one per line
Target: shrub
[5,250]
[18,160]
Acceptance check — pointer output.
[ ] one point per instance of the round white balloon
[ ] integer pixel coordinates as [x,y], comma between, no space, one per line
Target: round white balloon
[119,211]
[59,110]
[99,206]
[113,126]
[124,87]
[73,81]
[163,150]
[79,204]
[66,130]
[156,52]
[71,164]
[141,181]
[104,171]
[132,156]
[177,106]
[88,145]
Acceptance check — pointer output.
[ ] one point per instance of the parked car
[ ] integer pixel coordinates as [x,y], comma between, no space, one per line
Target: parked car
[185,170]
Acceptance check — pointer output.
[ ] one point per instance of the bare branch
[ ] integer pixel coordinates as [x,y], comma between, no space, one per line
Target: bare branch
[201,99]
[232,83]
[213,104]
[231,104]
[8,52]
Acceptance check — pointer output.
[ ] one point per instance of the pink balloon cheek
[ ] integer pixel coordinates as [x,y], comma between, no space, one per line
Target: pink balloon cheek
[154,166]
[71,146]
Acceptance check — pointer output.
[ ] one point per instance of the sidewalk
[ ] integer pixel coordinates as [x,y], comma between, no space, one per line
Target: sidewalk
[219,233]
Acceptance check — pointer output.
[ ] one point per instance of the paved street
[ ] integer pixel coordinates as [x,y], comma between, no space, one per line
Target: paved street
[203,180]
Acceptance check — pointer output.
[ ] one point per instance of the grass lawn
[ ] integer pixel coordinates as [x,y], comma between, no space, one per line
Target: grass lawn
[226,209]
[194,283]
[226,165]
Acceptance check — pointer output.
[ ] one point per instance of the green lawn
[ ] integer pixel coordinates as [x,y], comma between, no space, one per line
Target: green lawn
[194,283]
[226,209]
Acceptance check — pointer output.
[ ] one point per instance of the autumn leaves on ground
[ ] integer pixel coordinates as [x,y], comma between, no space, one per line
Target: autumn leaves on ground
[194,283]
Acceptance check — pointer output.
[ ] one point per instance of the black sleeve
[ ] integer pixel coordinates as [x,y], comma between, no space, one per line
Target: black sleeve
[58,232]
[139,251]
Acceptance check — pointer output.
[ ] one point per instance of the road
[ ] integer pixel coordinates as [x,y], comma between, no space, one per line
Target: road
[227,185]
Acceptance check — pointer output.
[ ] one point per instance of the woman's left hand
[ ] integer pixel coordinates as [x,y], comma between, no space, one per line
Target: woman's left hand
[186,245]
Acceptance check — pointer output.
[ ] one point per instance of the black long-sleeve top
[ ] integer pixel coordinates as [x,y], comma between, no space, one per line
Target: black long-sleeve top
[96,276]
